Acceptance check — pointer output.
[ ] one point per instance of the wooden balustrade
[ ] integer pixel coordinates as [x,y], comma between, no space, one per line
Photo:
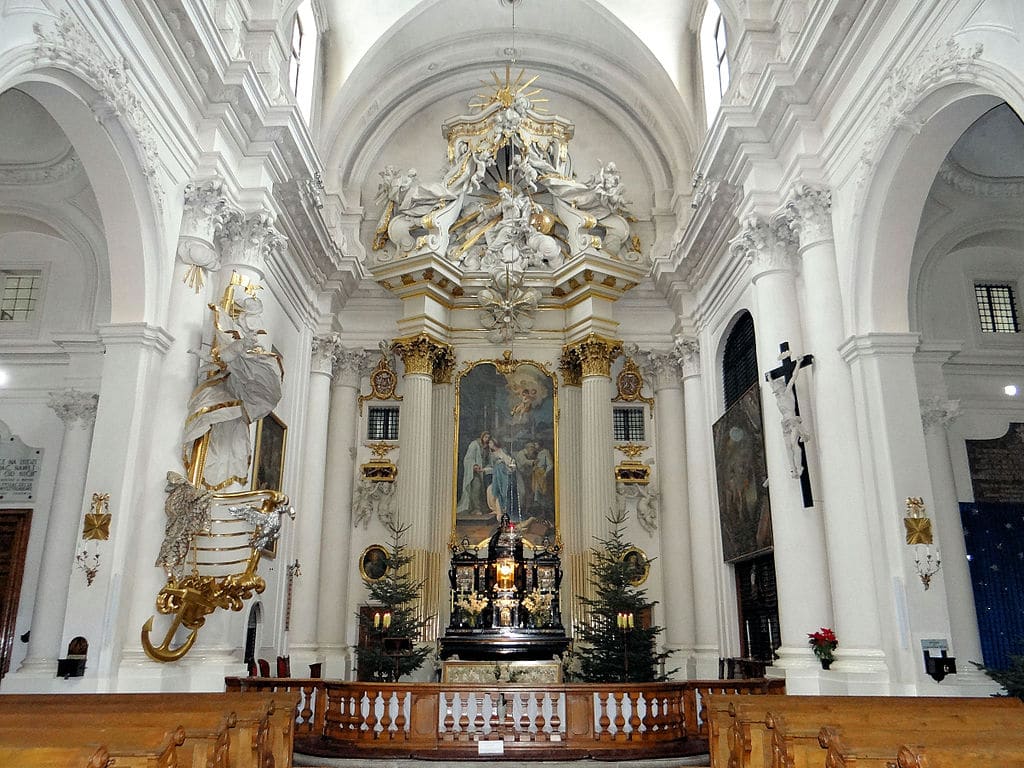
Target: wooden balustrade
[336,718]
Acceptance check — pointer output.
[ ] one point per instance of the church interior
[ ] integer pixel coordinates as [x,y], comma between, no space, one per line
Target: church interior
[307,302]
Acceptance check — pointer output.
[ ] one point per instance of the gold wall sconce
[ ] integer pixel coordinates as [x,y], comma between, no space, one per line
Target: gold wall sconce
[919,535]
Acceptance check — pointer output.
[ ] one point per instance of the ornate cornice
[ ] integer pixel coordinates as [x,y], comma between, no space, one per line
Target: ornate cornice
[939,413]
[418,353]
[69,43]
[809,214]
[596,354]
[74,407]
[687,352]
[767,246]
[975,184]
[46,172]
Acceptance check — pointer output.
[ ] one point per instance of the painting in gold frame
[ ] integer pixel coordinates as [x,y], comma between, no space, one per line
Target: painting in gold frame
[505,415]
[268,460]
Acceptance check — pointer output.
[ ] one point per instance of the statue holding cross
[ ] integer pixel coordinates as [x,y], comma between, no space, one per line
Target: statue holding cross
[783,383]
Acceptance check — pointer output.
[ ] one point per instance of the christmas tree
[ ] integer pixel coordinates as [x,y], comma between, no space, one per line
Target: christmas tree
[611,644]
[393,627]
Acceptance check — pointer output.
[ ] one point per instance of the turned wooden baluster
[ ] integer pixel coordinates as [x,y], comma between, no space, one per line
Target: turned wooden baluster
[371,717]
[634,717]
[478,718]
[463,716]
[555,720]
[523,729]
[604,721]
[400,718]
[620,717]
[449,718]
[538,721]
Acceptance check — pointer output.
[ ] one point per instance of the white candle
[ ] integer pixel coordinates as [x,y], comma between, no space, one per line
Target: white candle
[746,624]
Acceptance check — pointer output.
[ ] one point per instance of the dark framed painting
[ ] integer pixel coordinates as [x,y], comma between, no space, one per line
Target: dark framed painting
[373,563]
[506,443]
[637,560]
[744,508]
[268,456]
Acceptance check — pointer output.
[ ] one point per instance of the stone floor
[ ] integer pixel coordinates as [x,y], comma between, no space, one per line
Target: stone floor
[668,762]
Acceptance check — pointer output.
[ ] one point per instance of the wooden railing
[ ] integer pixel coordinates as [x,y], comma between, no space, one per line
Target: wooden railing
[646,719]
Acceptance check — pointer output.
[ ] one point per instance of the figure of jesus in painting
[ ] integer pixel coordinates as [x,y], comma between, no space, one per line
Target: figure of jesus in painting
[476,468]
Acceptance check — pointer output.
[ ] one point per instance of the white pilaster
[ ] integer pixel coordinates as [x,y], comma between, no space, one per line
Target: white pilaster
[800,569]
[334,610]
[77,410]
[568,461]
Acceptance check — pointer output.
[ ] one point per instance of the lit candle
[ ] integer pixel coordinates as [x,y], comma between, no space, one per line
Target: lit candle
[629,616]
[771,642]
[747,625]
[618,620]
[387,619]
[376,620]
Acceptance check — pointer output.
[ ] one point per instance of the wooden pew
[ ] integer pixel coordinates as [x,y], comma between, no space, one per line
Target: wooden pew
[55,757]
[751,741]
[129,747]
[715,711]
[996,753]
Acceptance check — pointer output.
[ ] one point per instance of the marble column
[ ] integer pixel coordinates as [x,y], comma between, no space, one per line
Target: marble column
[77,410]
[844,502]
[701,510]
[420,355]
[800,568]
[937,415]
[573,558]
[349,366]
[597,465]
[664,373]
[309,521]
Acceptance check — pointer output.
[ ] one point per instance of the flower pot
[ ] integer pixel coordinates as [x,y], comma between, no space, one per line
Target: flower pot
[825,663]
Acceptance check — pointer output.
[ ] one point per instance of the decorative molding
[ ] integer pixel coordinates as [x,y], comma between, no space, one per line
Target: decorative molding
[69,43]
[903,89]
[74,407]
[975,184]
[629,384]
[372,499]
[507,307]
[938,412]
[383,379]
[45,172]
[642,499]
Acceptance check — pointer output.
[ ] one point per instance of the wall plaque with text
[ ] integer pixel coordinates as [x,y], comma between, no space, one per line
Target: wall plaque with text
[19,467]
[997,467]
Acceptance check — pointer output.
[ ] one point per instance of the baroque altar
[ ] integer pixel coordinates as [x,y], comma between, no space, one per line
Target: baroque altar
[504,601]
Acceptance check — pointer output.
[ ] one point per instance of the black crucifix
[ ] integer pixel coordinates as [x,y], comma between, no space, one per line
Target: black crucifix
[783,384]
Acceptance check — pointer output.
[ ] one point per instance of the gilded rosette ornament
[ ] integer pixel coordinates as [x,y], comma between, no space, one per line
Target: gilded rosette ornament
[96,526]
[918,525]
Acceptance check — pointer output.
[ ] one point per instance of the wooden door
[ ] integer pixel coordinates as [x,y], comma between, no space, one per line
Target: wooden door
[14,529]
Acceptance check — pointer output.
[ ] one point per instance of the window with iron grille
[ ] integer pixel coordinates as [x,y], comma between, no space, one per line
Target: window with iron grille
[382,423]
[20,294]
[997,308]
[739,360]
[628,424]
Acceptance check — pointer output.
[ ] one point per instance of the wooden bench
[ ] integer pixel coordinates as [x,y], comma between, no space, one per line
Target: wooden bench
[784,730]
[55,757]
[129,747]
[715,712]
[999,753]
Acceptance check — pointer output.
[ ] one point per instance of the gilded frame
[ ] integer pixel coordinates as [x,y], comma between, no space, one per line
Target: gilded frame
[515,402]
[373,563]
[641,564]
[269,453]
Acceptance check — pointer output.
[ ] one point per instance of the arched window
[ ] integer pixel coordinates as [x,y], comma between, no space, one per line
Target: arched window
[739,360]
[714,61]
[302,57]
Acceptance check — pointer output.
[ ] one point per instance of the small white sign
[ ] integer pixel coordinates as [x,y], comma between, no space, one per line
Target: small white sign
[490,747]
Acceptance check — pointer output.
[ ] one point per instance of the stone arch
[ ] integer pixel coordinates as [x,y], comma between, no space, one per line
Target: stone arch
[109,156]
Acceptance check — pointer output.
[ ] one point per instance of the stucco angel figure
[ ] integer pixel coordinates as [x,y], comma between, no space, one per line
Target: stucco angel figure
[242,384]
[394,184]
[601,196]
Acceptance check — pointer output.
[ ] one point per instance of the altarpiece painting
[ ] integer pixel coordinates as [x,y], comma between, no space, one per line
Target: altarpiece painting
[506,450]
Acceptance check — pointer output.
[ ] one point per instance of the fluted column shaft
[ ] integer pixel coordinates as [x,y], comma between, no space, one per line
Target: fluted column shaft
[335,536]
[444,491]
[701,511]
[800,569]
[937,415]
[78,412]
[309,521]
[846,523]
[677,574]
[574,560]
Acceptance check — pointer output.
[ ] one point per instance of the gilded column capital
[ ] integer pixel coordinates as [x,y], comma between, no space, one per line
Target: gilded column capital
[767,246]
[444,365]
[809,214]
[569,365]
[323,349]
[938,413]
[74,407]
[596,354]
[418,353]
[687,353]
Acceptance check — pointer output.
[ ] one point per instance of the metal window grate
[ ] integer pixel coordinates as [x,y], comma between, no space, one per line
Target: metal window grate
[20,294]
[382,423]
[628,424]
[997,308]
[739,360]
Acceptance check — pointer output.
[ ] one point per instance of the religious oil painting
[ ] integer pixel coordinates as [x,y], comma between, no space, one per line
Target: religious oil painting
[742,479]
[268,461]
[505,450]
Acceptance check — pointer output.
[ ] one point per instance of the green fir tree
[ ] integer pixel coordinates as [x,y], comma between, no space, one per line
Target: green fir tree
[391,652]
[605,651]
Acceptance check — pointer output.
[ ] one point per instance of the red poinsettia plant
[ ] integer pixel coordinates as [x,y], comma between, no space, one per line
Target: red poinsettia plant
[823,643]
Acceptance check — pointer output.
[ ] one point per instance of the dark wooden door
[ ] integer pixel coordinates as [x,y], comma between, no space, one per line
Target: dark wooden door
[14,529]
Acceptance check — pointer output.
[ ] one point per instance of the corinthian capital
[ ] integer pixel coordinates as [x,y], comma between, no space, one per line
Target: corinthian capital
[249,241]
[809,214]
[938,413]
[323,350]
[687,353]
[419,353]
[596,354]
[661,368]
[350,365]
[767,246]
[74,407]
